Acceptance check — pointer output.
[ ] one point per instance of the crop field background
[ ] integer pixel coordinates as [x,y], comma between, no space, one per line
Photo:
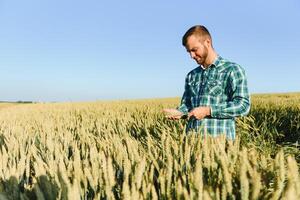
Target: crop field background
[128,150]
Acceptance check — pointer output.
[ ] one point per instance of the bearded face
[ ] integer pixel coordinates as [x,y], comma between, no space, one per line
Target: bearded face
[197,48]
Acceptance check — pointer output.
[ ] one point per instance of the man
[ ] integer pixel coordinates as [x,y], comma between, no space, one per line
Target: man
[215,92]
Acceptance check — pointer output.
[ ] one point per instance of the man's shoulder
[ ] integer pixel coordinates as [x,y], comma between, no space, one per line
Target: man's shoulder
[227,65]
[194,71]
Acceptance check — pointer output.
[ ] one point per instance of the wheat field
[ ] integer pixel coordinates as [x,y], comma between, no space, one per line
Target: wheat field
[128,150]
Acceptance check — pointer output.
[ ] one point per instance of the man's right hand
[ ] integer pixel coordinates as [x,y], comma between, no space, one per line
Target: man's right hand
[172,113]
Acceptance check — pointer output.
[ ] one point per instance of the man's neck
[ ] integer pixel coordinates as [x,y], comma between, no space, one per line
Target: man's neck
[210,59]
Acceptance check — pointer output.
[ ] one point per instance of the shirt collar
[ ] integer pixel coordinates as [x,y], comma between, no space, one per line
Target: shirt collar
[217,61]
[214,64]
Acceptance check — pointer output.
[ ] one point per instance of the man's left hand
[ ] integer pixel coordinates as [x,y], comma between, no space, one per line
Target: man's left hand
[200,112]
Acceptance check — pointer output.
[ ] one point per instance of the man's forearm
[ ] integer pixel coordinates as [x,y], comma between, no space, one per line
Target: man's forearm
[231,109]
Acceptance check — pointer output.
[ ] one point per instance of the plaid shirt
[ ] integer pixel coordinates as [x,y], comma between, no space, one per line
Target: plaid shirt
[223,87]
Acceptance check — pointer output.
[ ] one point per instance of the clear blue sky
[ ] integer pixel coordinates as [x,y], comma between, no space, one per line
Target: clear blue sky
[71,50]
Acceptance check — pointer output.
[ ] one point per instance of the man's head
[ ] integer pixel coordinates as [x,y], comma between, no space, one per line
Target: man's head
[200,31]
[198,43]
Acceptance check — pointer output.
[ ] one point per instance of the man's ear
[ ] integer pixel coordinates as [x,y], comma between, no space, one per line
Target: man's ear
[207,42]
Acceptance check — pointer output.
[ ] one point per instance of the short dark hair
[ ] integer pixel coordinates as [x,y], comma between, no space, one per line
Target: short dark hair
[199,30]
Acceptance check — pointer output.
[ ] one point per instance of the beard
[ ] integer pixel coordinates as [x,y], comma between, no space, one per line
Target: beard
[201,60]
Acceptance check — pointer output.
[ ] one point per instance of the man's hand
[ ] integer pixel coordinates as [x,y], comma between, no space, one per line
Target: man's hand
[172,113]
[200,112]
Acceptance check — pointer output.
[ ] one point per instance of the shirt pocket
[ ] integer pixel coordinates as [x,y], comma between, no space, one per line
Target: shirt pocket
[194,89]
[214,88]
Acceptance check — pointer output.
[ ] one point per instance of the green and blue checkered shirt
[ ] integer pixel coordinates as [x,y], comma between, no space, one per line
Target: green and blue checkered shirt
[223,87]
